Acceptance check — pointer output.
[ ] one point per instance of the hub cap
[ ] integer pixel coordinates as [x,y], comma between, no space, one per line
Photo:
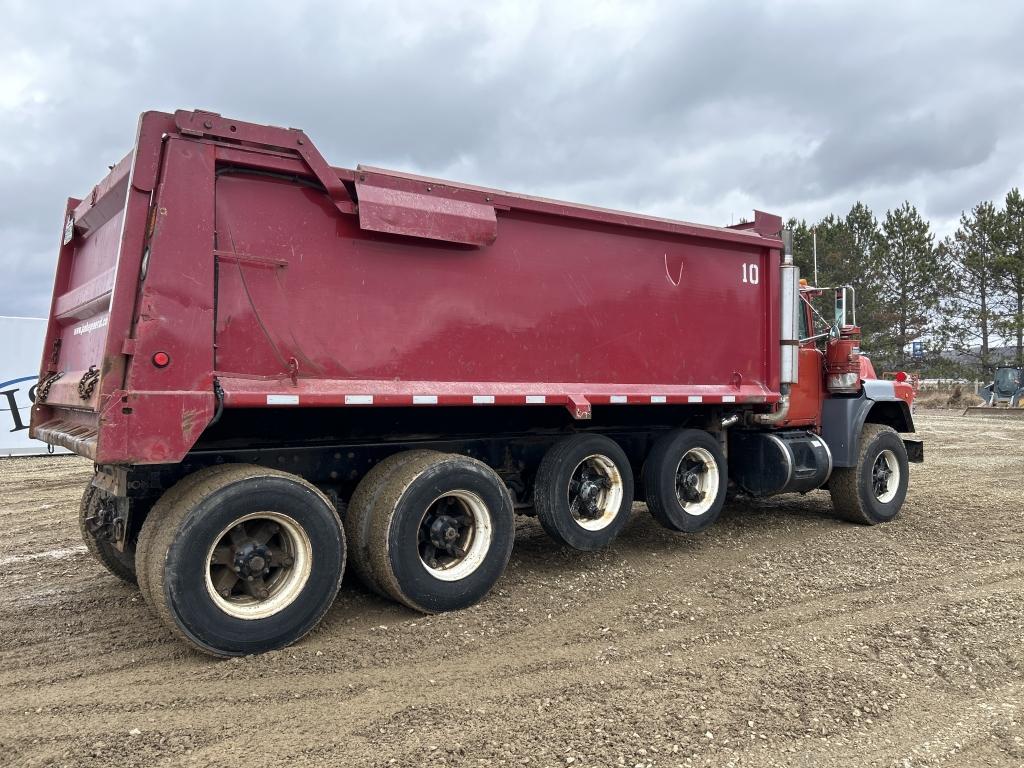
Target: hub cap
[454,535]
[885,476]
[697,481]
[595,492]
[258,565]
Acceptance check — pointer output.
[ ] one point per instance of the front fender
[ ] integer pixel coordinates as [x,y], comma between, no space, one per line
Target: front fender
[843,418]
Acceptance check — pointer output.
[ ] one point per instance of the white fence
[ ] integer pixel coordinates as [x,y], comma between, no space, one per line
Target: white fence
[21,347]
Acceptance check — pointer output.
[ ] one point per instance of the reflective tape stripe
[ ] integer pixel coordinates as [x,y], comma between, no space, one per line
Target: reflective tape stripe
[657,398]
[728,398]
[536,399]
[282,399]
[483,399]
[424,399]
[358,399]
[618,398]
[695,399]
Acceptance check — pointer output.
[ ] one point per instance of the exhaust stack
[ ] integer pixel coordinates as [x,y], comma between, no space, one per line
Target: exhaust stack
[789,335]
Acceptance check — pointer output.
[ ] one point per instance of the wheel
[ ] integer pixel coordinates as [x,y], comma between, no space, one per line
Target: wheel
[685,479]
[358,516]
[873,491]
[121,564]
[583,492]
[242,559]
[161,508]
[441,532]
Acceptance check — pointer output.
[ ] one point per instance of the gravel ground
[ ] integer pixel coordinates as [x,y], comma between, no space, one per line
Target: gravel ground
[778,637]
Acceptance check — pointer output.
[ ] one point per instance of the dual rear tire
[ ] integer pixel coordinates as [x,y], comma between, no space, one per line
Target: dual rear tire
[240,559]
[433,531]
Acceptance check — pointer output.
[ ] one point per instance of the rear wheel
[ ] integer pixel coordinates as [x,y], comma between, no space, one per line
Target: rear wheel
[359,514]
[241,559]
[685,480]
[441,532]
[583,492]
[873,491]
[121,564]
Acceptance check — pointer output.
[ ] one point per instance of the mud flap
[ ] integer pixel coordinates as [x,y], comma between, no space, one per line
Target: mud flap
[915,449]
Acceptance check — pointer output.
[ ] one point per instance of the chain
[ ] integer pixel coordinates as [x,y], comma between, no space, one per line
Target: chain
[88,382]
[43,390]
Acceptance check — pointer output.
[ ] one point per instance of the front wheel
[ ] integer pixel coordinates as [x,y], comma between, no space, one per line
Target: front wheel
[242,559]
[873,491]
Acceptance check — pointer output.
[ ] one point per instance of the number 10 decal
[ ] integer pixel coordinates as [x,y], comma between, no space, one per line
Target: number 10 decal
[751,274]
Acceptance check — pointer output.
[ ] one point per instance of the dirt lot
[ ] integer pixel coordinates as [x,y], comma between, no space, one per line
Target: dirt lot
[779,637]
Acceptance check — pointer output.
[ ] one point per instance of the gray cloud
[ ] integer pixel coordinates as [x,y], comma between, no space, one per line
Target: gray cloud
[699,111]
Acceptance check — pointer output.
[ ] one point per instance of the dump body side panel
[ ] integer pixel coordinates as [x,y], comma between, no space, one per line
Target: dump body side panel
[554,299]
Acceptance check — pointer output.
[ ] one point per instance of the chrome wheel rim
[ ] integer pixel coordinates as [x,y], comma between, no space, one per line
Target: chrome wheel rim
[885,476]
[595,492]
[696,481]
[258,565]
[454,535]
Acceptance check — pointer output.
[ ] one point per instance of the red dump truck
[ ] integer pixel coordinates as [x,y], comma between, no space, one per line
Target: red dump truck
[277,365]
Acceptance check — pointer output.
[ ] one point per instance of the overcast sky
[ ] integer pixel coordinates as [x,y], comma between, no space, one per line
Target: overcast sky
[698,111]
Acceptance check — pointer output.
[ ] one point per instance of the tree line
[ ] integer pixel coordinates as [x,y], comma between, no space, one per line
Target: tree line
[960,297]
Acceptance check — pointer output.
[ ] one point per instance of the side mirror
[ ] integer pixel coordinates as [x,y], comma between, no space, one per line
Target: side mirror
[846,301]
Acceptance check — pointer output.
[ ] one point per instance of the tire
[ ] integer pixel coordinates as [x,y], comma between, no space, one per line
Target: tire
[685,497]
[583,492]
[242,559]
[440,494]
[871,493]
[359,515]
[121,564]
[161,508]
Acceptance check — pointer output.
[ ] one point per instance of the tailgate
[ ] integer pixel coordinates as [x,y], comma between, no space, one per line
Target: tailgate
[73,366]
[84,400]
[93,301]
[80,313]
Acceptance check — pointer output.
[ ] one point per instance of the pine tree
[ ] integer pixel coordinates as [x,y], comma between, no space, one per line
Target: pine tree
[1010,269]
[865,244]
[910,280]
[972,255]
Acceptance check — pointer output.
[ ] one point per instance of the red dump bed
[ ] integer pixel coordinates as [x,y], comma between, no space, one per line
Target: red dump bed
[234,253]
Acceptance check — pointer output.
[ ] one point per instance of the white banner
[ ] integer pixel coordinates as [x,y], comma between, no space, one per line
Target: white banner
[21,347]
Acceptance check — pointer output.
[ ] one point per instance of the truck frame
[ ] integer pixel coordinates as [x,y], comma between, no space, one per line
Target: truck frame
[279,367]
